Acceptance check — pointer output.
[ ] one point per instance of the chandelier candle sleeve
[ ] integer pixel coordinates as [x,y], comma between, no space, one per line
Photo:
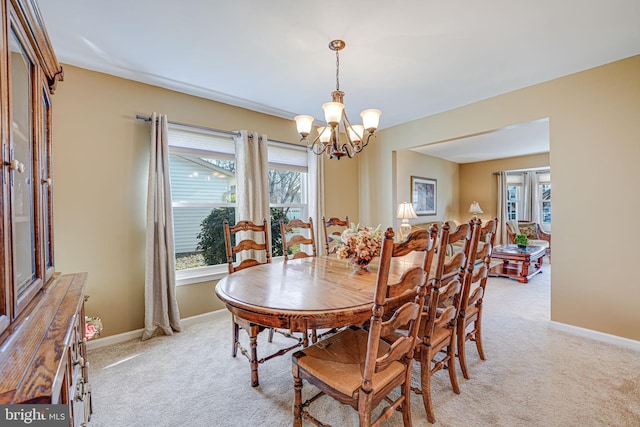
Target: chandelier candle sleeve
[340,138]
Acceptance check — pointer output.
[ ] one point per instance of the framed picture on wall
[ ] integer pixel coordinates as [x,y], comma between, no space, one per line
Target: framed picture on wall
[424,195]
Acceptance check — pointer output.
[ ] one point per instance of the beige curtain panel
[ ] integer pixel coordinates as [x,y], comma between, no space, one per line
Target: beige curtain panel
[316,197]
[161,315]
[252,186]
[501,235]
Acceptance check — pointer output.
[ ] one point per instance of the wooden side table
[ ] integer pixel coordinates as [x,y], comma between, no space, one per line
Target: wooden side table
[517,263]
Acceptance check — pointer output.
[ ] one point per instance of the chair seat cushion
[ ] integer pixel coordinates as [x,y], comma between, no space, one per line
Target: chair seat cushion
[535,242]
[471,311]
[338,361]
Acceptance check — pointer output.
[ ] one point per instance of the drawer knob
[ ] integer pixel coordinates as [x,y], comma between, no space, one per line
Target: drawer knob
[15,165]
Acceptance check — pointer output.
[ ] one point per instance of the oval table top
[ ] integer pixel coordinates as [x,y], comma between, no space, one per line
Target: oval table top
[316,292]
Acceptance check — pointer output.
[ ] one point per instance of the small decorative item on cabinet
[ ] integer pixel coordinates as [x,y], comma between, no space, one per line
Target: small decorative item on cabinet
[92,327]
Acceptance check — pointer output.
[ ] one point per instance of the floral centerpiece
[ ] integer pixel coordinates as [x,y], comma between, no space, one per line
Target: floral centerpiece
[360,245]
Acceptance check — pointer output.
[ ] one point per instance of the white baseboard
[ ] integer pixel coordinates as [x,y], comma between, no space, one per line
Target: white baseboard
[137,334]
[595,335]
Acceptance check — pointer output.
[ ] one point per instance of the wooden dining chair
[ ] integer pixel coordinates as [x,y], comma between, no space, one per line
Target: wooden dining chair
[332,233]
[257,248]
[437,332]
[473,294]
[290,240]
[248,259]
[359,367]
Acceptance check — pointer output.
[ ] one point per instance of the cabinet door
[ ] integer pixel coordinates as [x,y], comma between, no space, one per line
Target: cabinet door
[26,265]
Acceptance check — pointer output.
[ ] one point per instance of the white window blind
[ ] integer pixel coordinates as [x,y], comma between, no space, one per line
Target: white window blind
[193,141]
[289,157]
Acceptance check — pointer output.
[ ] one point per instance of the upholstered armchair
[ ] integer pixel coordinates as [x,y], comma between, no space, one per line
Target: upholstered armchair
[533,231]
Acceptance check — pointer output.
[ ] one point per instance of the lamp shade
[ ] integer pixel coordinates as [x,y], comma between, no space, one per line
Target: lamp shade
[405,210]
[370,119]
[475,209]
[356,132]
[304,123]
[325,134]
[333,112]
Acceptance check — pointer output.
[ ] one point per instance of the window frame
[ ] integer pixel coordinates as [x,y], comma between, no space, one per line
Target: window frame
[516,202]
[295,165]
[208,272]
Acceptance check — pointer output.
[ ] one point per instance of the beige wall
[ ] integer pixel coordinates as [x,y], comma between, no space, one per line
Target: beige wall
[594,150]
[409,163]
[478,183]
[340,175]
[101,155]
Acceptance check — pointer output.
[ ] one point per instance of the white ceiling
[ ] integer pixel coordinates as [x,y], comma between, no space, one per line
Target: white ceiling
[409,59]
[512,141]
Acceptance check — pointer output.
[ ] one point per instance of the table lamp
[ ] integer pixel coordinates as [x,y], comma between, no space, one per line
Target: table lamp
[475,209]
[405,211]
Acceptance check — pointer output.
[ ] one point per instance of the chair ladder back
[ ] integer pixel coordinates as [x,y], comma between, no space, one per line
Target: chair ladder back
[440,311]
[297,239]
[411,278]
[333,222]
[475,283]
[447,267]
[246,244]
[445,285]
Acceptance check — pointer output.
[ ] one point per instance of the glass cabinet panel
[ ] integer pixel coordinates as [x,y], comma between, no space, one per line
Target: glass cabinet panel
[22,168]
[45,180]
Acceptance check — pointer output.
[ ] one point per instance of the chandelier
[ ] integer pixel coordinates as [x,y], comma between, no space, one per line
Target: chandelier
[329,139]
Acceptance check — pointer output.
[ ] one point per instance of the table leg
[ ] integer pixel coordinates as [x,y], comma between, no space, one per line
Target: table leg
[525,269]
[539,262]
[253,338]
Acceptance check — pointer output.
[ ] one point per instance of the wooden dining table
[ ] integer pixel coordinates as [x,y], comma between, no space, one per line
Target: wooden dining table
[304,294]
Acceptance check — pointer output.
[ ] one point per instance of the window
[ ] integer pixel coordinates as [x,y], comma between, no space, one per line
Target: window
[528,196]
[203,182]
[545,197]
[513,199]
[203,190]
[288,188]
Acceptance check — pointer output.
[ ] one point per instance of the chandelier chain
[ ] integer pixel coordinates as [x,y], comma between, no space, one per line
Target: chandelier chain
[337,70]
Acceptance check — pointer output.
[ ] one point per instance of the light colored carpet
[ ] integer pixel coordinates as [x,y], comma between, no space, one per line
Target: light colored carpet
[533,376]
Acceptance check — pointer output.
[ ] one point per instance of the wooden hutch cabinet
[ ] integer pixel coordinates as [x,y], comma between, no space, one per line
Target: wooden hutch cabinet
[42,346]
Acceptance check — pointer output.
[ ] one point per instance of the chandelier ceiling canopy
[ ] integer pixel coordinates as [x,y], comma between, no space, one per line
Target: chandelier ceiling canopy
[339,138]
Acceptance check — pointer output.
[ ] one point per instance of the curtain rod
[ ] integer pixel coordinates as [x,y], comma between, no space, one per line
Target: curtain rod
[544,169]
[225,132]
